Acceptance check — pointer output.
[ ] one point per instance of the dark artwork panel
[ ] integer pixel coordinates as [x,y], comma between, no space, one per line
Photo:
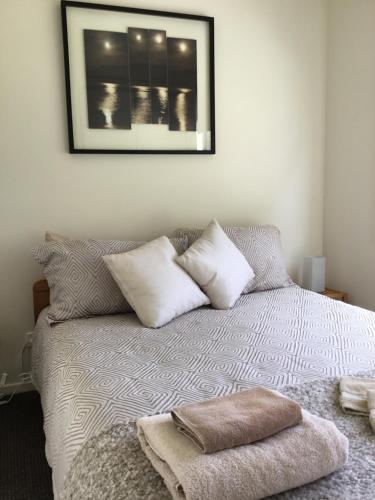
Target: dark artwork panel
[158,76]
[139,59]
[182,84]
[107,79]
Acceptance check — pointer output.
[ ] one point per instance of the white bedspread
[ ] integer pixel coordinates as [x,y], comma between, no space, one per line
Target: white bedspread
[95,373]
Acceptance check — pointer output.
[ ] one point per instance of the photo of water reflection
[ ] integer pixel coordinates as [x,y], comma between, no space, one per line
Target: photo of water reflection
[140,77]
[182,84]
[107,79]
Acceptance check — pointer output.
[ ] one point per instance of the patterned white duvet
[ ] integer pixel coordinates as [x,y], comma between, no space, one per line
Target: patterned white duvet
[95,373]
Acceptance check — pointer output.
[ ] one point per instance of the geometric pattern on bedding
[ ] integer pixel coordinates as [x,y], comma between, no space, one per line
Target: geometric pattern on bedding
[95,373]
[261,246]
[80,282]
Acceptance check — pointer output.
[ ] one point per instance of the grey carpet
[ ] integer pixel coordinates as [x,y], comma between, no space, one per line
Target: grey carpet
[24,472]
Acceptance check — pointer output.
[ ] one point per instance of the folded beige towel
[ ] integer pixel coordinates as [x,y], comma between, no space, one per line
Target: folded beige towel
[353,394]
[238,419]
[371,407]
[291,458]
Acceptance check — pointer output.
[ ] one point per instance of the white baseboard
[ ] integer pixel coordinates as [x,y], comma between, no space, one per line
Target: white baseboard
[17,387]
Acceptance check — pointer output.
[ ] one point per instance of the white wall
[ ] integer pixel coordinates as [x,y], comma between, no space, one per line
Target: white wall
[270,83]
[349,229]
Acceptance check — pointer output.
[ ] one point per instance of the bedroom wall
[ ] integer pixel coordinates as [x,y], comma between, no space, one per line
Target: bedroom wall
[349,229]
[270,84]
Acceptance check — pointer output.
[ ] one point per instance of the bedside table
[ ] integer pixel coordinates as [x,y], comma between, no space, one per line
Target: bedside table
[336,295]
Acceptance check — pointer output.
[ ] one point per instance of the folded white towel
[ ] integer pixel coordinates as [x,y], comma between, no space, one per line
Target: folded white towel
[293,457]
[371,406]
[353,394]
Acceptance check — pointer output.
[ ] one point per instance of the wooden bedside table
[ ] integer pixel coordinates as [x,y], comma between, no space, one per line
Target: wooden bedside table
[336,295]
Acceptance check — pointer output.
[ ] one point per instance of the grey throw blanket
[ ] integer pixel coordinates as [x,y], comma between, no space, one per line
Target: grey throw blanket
[113,466]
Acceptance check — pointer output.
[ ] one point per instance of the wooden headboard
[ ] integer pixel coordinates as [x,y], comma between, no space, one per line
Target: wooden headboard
[40,297]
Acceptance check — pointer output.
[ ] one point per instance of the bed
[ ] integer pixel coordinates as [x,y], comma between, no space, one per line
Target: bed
[99,372]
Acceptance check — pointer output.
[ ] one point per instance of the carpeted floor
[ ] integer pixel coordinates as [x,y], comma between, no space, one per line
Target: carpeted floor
[24,472]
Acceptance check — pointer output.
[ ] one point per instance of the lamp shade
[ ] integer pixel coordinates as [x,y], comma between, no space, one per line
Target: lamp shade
[314,273]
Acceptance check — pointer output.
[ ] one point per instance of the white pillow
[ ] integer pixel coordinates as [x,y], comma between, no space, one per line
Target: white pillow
[153,284]
[217,265]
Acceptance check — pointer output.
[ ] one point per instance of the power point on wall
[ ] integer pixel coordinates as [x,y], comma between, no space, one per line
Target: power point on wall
[27,348]
[4,398]
[28,338]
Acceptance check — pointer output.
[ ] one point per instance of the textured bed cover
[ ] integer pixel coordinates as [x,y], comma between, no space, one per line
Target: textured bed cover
[98,372]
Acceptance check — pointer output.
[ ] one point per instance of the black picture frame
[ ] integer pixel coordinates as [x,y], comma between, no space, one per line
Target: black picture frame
[75,148]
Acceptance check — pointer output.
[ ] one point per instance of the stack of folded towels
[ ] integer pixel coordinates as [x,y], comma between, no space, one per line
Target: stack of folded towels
[357,397]
[248,445]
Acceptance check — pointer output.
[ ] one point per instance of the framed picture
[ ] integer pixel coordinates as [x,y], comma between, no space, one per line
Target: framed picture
[138,81]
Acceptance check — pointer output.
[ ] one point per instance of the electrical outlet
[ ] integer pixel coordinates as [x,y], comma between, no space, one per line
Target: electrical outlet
[29,338]
[25,377]
[4,398]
